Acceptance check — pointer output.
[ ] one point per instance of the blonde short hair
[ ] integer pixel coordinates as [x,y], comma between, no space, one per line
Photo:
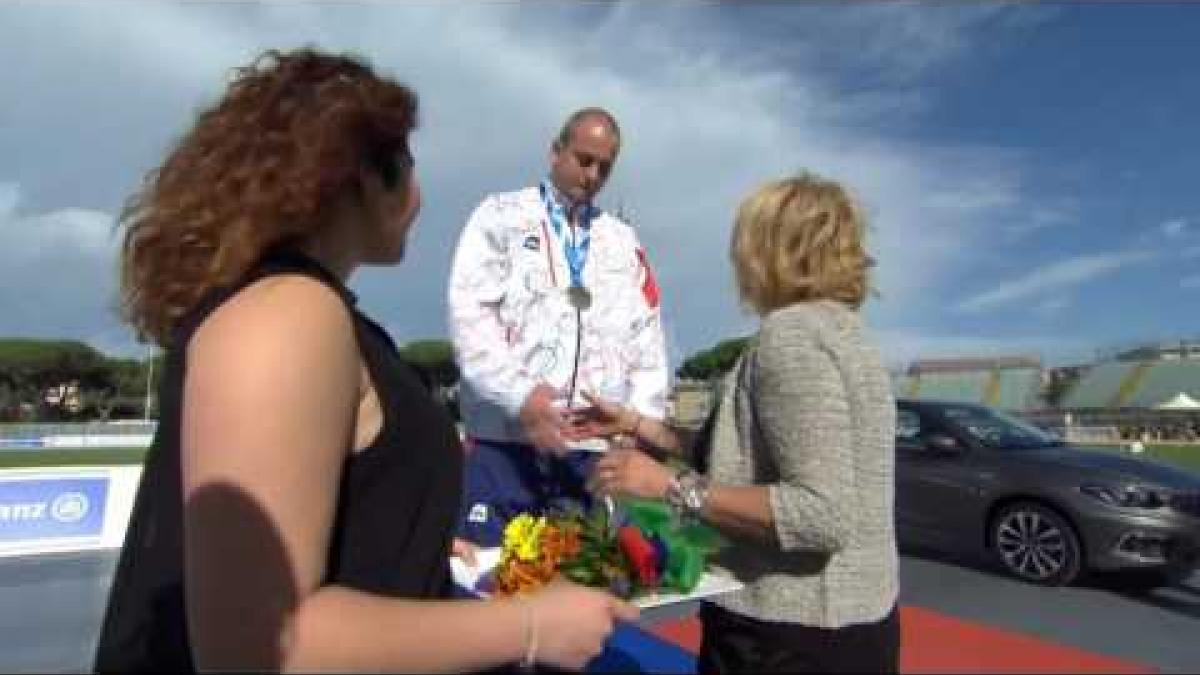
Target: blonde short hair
[799,239]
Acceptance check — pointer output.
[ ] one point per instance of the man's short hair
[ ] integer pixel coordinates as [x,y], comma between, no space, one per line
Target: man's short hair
[583,115]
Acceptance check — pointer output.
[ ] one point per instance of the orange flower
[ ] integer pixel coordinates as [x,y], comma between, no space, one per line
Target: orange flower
[556,544]
[518,577]
[560,543]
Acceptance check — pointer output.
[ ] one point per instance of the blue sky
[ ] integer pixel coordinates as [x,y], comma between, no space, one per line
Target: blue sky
[1102,100]
[1026,168]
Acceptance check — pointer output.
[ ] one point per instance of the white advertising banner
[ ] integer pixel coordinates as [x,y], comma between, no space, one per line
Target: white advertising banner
[65,509]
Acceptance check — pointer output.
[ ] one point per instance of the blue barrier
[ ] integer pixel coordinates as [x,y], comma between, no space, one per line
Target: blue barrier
[39,508]
[20,443]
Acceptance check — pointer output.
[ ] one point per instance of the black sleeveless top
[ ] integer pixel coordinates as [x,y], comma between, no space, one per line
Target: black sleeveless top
[396,504]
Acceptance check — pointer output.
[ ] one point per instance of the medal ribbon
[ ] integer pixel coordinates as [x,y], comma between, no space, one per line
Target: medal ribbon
[575,249]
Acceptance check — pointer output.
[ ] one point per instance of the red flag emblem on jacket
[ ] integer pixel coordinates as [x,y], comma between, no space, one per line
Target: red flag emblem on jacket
[649,284]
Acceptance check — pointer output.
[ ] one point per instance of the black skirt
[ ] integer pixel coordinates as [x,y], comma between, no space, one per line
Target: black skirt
[734,643]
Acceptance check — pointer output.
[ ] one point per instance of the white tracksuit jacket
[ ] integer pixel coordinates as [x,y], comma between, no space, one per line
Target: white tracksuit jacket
[513,328]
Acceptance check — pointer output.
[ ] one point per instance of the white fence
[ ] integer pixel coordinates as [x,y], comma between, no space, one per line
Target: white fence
[1093,434]
[132,434]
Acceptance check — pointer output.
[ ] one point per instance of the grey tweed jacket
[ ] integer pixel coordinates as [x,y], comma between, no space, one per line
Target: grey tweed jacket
[809,412]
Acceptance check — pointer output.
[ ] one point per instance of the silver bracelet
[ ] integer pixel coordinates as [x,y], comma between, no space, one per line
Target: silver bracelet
[688,494]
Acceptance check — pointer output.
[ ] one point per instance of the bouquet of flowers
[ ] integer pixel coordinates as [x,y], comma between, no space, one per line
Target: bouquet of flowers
[646,550]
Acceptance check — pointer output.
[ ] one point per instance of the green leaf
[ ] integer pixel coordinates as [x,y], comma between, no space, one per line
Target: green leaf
[581,575]
[701,537]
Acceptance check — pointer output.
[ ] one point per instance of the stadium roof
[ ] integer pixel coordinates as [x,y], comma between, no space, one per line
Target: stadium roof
[973,363]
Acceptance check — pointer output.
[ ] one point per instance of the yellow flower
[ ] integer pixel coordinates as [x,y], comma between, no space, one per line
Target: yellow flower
[522,537]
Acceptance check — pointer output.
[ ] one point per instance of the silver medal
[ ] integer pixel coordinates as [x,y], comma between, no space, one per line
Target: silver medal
[579,297]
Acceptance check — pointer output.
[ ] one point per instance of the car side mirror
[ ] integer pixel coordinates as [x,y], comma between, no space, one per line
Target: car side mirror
[943,444]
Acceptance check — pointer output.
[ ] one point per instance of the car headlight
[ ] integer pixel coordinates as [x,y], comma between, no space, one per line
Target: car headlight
[1134,496]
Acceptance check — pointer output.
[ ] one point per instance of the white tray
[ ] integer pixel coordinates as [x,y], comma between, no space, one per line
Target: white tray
[710,583]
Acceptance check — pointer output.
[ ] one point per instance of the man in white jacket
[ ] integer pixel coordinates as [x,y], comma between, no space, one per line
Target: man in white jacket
[549,297]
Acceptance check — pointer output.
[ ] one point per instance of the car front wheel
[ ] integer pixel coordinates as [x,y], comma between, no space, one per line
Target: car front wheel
[1035,543]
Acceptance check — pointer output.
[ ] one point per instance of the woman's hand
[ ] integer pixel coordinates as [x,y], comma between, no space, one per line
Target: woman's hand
[574,622]
[603,419]
[632,473]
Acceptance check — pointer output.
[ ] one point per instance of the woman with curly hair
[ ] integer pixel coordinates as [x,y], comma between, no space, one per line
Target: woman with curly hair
[800,457]
[297,504]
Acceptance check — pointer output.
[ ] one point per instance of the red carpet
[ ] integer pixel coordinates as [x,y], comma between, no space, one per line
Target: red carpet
[936,643]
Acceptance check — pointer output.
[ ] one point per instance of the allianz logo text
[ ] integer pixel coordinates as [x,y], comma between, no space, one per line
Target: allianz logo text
[68,507]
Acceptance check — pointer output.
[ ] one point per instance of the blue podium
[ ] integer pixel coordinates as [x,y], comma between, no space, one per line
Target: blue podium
[631,649]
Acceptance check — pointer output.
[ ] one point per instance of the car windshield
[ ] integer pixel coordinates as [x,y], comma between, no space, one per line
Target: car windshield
[997,430]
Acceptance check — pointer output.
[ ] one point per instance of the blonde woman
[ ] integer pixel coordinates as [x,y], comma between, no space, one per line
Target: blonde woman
[800,467]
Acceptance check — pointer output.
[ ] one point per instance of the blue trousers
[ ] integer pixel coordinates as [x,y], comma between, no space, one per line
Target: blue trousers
[504,480]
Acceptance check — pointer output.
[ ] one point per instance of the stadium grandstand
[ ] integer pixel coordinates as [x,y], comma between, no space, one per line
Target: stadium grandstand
[1011,383]
[1146,377]
[1148,392]
[1145,391]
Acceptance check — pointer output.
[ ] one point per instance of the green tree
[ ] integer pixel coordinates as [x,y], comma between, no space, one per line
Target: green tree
[435,360]
[435,357]
[32,368]
[29,369]
[123,390]
[713,362]
[10,403]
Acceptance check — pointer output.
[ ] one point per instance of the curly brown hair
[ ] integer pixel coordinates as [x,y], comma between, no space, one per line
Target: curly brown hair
[257,170]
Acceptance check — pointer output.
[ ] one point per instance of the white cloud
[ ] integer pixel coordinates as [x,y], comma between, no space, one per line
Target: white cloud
[72,231]
[9,196]
[704,123]
[59,276]
[1174,228]
[902,40]
[1190,283]
[1052,307]
[1042,218]
[1053,277]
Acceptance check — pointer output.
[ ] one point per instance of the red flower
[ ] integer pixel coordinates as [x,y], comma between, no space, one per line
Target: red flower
[640,553]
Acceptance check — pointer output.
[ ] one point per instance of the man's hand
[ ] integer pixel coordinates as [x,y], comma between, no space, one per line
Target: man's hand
[465,550]
[544,424]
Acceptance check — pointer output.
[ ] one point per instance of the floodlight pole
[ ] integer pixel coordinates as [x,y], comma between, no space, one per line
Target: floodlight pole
[149,390]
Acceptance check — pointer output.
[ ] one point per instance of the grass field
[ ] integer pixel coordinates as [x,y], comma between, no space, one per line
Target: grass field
[1185,456]
[19,459]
